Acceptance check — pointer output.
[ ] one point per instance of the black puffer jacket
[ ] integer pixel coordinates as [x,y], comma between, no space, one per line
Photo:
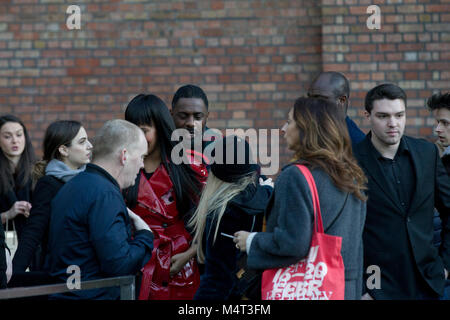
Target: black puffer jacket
[244,212]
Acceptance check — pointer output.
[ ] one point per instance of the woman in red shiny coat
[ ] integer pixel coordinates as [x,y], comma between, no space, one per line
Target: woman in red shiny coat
[163,195]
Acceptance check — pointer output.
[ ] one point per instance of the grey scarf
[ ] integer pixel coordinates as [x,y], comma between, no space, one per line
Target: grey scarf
[60,170]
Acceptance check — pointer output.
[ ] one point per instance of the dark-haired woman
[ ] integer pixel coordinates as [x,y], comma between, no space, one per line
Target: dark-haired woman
[163,195]
[16,160]
[317,134]
[67,150]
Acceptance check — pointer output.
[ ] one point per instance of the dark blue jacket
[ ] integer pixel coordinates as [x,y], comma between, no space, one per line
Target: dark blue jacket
[356,135]
[90,228]
[243,212]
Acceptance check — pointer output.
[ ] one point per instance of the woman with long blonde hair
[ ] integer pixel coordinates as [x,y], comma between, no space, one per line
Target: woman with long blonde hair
[316,132]
[232,200]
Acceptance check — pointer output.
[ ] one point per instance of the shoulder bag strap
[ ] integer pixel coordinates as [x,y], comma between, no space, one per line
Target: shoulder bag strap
[318,224]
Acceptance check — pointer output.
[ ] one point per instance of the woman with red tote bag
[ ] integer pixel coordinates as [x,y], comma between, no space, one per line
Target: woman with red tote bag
[296,265]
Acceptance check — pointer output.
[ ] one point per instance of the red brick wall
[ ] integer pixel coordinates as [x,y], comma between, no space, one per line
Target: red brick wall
[252,57]
[412,49]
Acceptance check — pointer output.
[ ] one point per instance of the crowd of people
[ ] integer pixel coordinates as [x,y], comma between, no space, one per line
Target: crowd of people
[120,205]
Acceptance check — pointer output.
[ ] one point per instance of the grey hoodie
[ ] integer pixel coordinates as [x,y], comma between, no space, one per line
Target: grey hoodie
[60,170]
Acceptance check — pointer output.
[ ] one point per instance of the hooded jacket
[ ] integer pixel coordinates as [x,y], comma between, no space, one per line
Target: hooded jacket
[32,247]
[243,212]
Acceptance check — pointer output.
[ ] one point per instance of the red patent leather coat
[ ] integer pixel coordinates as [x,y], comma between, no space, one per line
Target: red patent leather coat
[156,205]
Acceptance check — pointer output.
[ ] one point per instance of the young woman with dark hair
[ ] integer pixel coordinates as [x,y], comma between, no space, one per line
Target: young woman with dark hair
[16,160]
[316,132]
[163,195]
[67,150]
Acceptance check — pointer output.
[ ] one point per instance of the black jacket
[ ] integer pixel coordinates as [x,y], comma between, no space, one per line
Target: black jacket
[400,242]
[437,220]
[33,242]
[3,265]
[446,162]
[6,202]
[244,212]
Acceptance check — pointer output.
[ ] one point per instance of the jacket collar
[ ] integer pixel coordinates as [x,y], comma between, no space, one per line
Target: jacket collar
[93,168]
[374,170]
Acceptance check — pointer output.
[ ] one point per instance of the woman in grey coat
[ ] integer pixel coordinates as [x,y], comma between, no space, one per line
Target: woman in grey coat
[317,134]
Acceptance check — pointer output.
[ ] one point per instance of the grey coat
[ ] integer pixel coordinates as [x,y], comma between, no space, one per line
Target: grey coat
[290,222]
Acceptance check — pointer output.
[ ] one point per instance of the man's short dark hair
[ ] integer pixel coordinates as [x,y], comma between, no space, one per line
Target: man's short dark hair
[439,101]
[189,91]
[384,91]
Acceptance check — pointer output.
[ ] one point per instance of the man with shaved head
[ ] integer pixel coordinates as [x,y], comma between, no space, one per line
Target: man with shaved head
[334,87]
[90,225]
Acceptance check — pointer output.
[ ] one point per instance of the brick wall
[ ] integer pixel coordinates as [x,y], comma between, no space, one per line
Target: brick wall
[412,49]
[252,57]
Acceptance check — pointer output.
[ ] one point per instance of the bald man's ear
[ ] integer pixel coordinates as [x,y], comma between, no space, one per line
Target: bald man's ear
[123,156]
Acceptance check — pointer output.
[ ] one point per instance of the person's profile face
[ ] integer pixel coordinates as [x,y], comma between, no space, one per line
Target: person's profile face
[291,132]
[135,162]
[442,128]
[79,151]
[190,114]
[151,136]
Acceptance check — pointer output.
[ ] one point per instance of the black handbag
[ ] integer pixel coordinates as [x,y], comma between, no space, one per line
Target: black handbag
[249,280]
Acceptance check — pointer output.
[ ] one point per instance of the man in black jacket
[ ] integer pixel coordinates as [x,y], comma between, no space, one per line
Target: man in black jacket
[406,182]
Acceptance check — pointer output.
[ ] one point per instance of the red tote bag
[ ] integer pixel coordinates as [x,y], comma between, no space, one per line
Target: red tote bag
[319,276]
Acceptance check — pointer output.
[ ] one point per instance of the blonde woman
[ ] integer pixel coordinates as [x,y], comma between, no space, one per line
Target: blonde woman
[232,200]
